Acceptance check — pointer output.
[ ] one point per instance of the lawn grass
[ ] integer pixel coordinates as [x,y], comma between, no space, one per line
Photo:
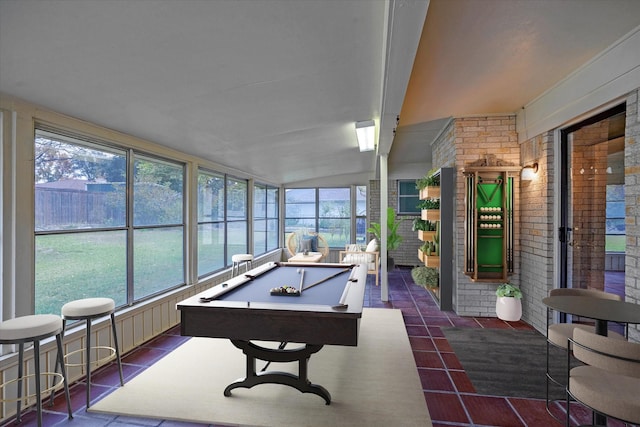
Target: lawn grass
[615,243]
[93,264]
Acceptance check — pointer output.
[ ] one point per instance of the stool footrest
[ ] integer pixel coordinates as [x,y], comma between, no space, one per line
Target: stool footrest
[30,396]
[109,357]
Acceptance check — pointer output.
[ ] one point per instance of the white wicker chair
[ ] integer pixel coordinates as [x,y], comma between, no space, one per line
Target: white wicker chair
[369,257]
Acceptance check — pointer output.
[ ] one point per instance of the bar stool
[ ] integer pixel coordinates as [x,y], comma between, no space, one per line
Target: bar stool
[89,309]
[34,328]
[238,260]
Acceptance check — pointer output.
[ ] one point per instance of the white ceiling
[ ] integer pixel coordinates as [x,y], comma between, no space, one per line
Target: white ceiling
[273,87]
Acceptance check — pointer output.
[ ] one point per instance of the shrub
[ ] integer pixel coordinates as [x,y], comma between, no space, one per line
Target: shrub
[427,277]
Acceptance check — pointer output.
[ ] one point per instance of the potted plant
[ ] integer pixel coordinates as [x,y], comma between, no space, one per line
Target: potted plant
[425,228]
[427,277]
[508,304]
[429,180]
[429,204]
[430,209]
[420,224]
[393,238]
[429,185]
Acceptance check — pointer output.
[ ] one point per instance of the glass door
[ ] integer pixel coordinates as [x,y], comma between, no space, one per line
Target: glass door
[592,223]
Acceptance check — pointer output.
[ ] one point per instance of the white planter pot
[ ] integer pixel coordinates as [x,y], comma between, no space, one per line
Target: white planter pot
[509,309]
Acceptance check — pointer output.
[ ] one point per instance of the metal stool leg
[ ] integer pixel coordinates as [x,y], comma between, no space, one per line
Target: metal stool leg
[20,379]
[59,362]
[115,344]
[36,362]
[63,371]
[88,362]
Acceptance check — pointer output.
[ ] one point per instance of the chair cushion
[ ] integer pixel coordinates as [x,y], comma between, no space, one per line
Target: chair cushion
[559,333]
[372,246]
[359,258]
[25,327]
[606,392]
[314,242]
[88,307]
[354,258]
[305,245]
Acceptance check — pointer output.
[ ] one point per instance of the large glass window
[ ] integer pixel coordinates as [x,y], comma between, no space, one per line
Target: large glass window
[211,239]
[81,228]
[327,211]
[237,226]
[300,209]
[222,220]
[361,214]
[158,241]
[265,218]
[334,215]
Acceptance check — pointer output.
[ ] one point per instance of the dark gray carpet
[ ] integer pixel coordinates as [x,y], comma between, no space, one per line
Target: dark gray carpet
[505,362]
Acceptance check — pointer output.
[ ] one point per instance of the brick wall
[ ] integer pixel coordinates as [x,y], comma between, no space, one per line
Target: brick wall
[465,141]
[537,209]
[406,254]
[468,139]
[476,138]
[536,229]
[632,205]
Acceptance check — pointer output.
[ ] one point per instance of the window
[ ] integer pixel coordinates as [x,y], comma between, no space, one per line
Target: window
[361,214]
[329,212]
[237,225]
[83,223]
[300,209]
[408,198]
[615,228]
[222,220]
[334,215]
[265,219]
[211,239]
[158,238]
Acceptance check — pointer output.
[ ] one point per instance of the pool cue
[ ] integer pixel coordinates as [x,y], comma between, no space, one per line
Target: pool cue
[327,278]
[301,280]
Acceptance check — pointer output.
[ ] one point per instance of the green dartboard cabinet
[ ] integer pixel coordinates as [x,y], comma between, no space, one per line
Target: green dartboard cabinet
[489,223]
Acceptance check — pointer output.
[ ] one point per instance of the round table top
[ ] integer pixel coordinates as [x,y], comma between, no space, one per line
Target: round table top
[595,308]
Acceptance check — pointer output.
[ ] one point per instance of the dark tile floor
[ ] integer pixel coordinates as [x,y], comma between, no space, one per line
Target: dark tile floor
[450,395]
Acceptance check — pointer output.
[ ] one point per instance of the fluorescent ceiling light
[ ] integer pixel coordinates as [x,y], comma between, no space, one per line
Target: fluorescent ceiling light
[365,132]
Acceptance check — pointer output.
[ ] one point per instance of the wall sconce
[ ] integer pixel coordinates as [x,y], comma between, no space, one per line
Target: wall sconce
[366,132]
[529,172]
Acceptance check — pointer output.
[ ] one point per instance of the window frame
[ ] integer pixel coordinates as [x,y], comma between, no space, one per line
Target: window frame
[265,190]
[224,222]
[317,218]
[404,196]
[128,227]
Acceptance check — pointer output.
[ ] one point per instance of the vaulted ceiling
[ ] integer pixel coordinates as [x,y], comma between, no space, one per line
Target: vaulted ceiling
[273,87]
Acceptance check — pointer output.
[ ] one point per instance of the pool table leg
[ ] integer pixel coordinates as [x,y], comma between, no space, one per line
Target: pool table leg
[300,382]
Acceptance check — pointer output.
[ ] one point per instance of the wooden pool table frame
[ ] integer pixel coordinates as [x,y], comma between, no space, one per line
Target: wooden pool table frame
[243,322]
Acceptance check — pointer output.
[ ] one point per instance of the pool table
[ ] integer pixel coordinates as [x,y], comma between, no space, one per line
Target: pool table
[250,307]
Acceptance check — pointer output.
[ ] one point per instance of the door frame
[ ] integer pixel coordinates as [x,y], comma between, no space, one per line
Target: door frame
[563,229]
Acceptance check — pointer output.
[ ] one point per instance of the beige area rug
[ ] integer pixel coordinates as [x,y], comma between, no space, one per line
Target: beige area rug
[373,384]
